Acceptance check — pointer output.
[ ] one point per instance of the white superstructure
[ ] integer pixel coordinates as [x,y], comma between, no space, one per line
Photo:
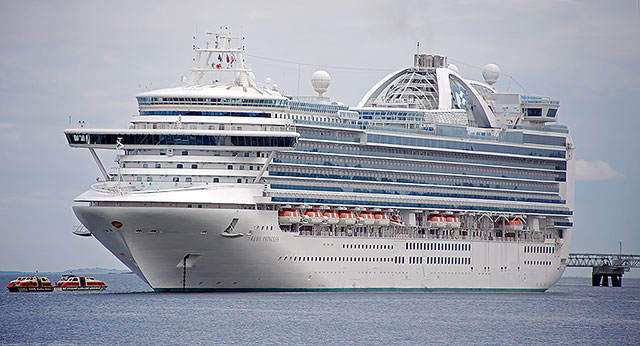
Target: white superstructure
[432,182]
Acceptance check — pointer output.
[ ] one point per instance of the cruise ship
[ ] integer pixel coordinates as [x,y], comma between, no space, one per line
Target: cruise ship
[431,182]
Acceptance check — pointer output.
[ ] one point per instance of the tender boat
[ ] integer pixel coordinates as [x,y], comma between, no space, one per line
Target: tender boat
[70,282]
[289,217]
[313,216]
[347,217]
[514,225]
[366,218]
[436,221]
[332,217]
[30,284]
[452,221]
[381,218]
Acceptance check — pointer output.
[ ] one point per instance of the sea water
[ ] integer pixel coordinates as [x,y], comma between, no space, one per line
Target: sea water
[129,313]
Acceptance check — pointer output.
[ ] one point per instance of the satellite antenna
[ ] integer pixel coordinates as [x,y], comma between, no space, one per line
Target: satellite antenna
[490,73]
[320,80]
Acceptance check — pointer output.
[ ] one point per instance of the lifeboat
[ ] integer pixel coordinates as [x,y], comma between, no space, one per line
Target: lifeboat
[79,283]
[381,218]
[452,221]
[436,221]
[331,216]
[514,225]
[313,216]
[346,217]
[396,220]
[366,218]
[30,284]
[289,217]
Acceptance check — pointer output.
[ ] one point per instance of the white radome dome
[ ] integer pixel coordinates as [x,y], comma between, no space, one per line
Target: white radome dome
[453,68]
[490,73]
[320,80]
[252,79]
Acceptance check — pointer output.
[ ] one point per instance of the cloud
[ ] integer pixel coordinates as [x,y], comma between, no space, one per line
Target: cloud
[595,170]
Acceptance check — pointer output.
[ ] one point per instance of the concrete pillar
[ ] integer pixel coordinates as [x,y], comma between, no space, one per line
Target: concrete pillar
[616,281]
[595,279]
[605,280]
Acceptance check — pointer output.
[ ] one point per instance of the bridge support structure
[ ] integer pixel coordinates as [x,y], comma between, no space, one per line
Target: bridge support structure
[605,266]
[601,274]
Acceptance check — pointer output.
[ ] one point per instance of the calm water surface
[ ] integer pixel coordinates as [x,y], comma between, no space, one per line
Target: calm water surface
[570,313]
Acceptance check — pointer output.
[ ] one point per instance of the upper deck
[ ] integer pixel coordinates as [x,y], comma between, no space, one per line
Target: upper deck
[429,99]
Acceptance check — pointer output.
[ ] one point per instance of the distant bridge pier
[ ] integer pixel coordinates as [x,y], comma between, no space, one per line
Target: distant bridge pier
[605,266]
[601,274]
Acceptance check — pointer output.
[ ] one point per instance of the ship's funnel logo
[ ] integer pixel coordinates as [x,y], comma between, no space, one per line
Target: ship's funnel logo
[460,95]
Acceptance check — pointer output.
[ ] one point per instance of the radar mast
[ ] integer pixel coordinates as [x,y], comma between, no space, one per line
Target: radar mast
[223,54]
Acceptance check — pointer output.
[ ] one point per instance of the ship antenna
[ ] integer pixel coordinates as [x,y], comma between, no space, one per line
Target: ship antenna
[298,89]
[418,48]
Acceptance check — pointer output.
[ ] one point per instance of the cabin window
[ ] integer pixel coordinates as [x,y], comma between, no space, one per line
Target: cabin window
[534,112]
[188,179]
[230,167]
[149,178]
[176,179]
[157,165]
[216,180]
[194,166]
[179,165]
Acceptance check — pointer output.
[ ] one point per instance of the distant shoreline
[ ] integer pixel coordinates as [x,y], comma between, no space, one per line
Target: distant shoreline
[84,271]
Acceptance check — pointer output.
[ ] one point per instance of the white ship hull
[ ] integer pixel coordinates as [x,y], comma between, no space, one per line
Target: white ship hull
[265,258]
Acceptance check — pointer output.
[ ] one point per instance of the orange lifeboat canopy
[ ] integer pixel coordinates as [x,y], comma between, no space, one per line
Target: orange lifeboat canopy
[313,216]
[331,217]
[289,217]
[366,218]
[453,222]
[381,218]
[436,221]
[514,225]
[347,217]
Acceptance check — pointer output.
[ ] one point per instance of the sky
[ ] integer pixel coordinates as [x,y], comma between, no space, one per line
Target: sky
[67,61]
